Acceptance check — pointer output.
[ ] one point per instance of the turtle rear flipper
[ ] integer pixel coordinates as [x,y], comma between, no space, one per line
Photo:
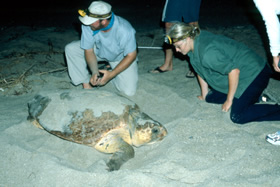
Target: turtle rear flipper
[124,153]
[36,106]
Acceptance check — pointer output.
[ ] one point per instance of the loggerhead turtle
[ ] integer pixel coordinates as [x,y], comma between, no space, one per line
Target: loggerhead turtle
[103,120]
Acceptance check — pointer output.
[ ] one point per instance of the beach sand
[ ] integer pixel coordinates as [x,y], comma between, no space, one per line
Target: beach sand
[203,147]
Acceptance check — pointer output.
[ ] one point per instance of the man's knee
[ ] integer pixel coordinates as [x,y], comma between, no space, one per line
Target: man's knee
[129,92]
[127,84]
[69,47]
[72,46]
[128,89]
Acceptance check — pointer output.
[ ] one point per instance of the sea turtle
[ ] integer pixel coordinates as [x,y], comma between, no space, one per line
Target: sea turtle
[108,122]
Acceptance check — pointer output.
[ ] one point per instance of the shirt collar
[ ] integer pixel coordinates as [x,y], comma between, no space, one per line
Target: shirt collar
[108,27]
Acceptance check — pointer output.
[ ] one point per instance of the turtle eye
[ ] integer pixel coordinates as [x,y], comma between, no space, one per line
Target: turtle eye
[155,130]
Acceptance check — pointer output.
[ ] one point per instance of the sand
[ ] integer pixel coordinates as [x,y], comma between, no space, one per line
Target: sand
[203,147]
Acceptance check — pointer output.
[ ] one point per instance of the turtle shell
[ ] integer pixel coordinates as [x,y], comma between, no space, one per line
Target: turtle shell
[108,122]
[87,116]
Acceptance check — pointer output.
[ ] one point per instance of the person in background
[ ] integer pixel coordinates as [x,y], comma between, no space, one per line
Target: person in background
[269,9]
[186,11]
[236,74]
[105,37]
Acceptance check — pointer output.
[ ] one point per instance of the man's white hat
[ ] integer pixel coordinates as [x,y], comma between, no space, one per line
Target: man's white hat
[96,11]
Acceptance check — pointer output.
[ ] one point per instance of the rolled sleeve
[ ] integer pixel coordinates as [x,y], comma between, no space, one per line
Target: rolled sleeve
[87,39]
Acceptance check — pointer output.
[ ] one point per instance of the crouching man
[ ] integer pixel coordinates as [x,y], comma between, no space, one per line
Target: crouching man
[105,37]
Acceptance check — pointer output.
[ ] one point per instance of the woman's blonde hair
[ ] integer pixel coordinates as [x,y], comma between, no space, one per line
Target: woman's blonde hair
[180,31]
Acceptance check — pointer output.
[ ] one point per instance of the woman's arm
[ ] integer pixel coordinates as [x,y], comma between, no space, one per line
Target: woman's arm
[203,87]
[233,79]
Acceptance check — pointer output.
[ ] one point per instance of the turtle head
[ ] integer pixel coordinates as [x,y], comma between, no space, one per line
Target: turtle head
[149,133]
[143,129]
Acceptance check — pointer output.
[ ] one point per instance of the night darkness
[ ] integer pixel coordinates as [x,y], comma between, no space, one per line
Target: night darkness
[143,14]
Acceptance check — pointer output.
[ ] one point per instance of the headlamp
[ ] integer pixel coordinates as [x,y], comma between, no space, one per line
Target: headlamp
[171,41]
[82,13]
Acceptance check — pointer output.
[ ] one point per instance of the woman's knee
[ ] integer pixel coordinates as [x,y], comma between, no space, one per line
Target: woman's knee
[238,118]
[215,97]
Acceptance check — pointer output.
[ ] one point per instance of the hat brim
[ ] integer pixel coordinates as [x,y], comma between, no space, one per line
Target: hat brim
[86,20]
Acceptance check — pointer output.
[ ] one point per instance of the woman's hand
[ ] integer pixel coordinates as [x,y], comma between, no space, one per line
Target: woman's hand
[204,88]
[200,97]
[233,79]
[226,106]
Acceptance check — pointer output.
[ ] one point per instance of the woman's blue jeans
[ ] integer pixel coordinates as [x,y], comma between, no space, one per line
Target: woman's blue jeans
[245,109]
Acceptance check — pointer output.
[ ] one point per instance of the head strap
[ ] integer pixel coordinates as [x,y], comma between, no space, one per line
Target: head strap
[83,13]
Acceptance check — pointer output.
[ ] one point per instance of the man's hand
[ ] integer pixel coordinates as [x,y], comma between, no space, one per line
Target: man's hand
[94,80]
[105,78]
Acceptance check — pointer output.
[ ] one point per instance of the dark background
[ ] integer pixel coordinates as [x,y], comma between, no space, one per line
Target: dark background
[143,14]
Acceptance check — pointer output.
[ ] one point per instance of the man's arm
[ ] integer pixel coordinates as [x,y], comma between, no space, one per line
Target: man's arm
[233,79]
[92,64]
[91,61]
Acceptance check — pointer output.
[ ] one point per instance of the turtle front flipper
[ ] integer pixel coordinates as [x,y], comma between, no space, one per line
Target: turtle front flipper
[124,153]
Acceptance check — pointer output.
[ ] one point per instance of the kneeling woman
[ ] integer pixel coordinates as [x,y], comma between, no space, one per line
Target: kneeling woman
[237,75]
